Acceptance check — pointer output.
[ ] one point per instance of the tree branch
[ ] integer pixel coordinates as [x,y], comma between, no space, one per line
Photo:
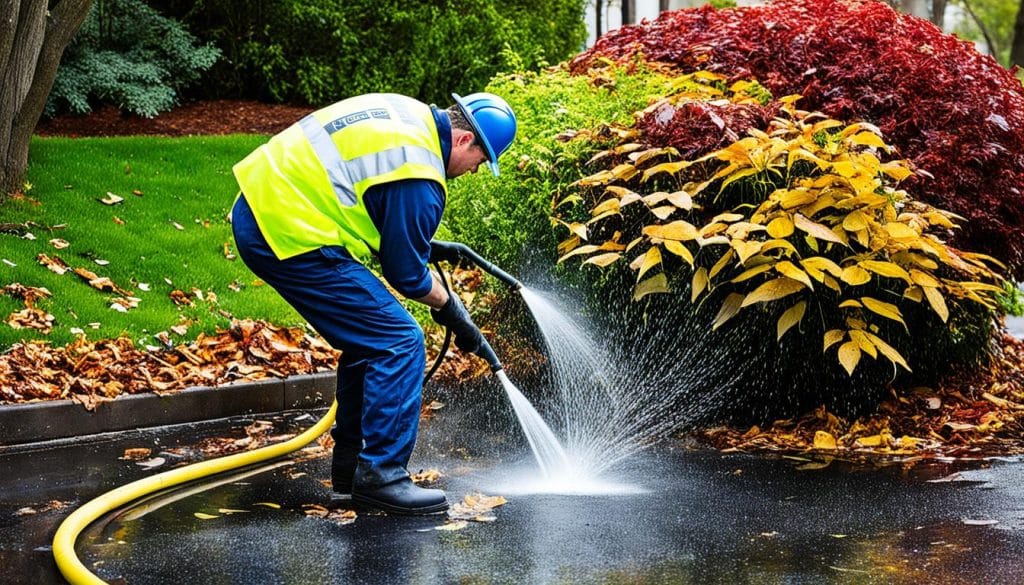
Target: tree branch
[992,49]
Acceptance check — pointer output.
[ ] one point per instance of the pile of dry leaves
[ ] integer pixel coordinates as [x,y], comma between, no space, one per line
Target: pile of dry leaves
[92,371]
[971,414]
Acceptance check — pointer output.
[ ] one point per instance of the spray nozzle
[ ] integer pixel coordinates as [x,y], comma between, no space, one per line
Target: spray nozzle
[486,352]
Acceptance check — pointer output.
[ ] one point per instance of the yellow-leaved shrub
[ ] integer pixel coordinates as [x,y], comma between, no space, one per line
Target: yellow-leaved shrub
[803,218]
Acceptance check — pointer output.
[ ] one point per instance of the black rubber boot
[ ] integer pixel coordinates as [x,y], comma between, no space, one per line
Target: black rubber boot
[343,468]
[401,496]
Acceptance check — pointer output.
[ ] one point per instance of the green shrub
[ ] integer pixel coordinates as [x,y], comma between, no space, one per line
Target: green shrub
[129,55]
[319,51]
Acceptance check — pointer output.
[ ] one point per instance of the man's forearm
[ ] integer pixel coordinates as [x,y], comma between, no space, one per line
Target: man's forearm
[437,296]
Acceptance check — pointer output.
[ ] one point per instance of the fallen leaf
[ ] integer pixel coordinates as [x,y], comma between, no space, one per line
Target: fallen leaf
[427,477]
[979,522]
[136,453]
[268,505]
[9,263]
[152,463]
[112,199]
[452,526]
[59,243]
[178,226]
[203,516]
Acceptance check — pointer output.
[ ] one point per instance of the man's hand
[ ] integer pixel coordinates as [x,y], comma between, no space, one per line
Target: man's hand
[455,316]
[441,251]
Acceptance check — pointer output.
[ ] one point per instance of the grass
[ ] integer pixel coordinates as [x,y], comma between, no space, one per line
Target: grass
[169,233]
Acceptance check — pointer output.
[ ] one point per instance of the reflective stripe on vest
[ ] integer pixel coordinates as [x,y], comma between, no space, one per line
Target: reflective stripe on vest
[345,174]
[306,185]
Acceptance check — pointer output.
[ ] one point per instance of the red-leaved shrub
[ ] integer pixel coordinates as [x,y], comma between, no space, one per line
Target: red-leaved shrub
[956,114]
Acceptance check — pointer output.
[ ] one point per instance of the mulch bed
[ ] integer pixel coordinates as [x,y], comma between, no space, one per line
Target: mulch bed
[194,118]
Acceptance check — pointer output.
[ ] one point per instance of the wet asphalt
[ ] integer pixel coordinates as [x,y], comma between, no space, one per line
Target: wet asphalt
[693,516]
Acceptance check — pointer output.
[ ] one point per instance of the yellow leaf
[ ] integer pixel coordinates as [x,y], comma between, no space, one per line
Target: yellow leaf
[700,282]
[845,168]
[855,275]
[787,268]
[732,305]
[569,244]
[605,206]
[937,302]
[824,440]
[722,263]
[203,516]
[651,259]
[780,227]
[888,351]
[752,272]
[797,197]
[816,229]
[679,250]
[849,356]
[624,172]
[663,211]
[896,169]
[581,250]
[778,243]
[855,221]
[681,199]
[914,293]
[603,260]
[791,317]
[924,279]
[822,264]
[887,269]
[268,505]
[850,303]
[832,337]
[868,139]
[887,310]
[655,284]
[862,341]
[676,230]
[746,249]
[901,231]
[871,441]
[773,290]
[667,167]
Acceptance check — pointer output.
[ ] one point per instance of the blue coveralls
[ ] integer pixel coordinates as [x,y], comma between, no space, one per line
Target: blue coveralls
[380,372]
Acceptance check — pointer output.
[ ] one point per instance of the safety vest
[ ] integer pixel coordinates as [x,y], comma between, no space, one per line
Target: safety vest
[305,186]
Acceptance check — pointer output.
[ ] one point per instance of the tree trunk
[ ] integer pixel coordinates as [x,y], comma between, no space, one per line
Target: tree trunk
[598,9]
[32,40]
[915,7]
[1017,48]
[628,12]
[939,13]
[662,5]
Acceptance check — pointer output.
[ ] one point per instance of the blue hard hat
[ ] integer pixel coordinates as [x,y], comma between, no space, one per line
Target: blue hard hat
[493,122]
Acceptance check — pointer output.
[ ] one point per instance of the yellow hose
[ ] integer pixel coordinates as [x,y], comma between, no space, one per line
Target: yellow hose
[64,540]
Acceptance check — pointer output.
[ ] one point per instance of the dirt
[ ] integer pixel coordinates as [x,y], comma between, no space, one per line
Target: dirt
[201,117]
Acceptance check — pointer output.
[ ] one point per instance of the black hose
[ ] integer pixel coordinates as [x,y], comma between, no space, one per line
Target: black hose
[447,330]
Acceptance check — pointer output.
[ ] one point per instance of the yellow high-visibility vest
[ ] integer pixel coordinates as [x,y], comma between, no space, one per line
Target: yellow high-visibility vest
[305,186]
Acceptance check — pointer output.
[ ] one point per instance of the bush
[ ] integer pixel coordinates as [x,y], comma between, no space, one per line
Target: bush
[955,114]
[319,51]
[795,230]
[129,55]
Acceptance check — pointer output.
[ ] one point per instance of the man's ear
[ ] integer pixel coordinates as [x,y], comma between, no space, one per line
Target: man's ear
[461,137]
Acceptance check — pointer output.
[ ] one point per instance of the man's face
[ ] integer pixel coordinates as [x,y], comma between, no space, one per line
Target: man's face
[467,154]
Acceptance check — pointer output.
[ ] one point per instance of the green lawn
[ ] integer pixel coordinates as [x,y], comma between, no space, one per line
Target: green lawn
[169,233]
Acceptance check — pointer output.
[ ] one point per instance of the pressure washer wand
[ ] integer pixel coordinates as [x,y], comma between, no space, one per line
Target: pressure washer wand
[468,253]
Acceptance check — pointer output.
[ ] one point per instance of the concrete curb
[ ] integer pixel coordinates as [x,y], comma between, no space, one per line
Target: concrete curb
[58,419]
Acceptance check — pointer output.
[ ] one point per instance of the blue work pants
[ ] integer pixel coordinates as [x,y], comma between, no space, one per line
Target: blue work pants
[380,372]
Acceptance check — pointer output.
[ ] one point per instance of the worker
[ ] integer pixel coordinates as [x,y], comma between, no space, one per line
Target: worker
[367,177]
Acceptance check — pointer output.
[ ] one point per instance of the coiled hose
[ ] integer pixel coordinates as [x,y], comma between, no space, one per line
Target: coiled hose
[67,534]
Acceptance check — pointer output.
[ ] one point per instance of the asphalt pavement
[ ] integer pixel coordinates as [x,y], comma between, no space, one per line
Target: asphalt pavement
[674,514]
